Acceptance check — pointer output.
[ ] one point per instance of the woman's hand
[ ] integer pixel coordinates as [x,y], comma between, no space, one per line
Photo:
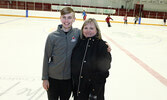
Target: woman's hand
[109,47]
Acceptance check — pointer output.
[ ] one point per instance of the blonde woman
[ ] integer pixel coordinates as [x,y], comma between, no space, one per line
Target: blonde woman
[90,63]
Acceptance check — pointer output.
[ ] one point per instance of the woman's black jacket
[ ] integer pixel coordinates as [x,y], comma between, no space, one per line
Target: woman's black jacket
[90,61]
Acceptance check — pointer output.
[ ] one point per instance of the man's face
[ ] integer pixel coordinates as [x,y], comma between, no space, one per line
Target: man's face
[67,21]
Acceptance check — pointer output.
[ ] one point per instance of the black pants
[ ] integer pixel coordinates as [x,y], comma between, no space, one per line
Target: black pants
[108,23]
[125,22]
[86,91]
[59,89]
[135,21]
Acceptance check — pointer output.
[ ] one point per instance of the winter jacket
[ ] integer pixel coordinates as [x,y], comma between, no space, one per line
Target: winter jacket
[108,19]
[90,62]
[57,55]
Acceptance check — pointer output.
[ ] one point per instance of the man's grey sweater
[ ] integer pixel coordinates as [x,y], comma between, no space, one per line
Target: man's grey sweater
[57,55]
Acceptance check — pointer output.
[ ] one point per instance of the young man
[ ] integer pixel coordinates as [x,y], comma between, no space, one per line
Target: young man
[56,74]
[57,56]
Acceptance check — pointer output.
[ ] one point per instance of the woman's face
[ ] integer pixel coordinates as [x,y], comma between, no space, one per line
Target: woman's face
[89,30]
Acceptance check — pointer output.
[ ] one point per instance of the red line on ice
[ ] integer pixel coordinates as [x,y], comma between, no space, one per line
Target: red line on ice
[159,77]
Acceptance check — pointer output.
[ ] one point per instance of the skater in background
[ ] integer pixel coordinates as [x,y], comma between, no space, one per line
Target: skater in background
[84,15]
[90,63]
[125,19]
[108,20]
[164,21]
[136,19]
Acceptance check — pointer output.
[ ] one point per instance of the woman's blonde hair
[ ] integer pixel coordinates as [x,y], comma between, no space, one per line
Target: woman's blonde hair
[92,20]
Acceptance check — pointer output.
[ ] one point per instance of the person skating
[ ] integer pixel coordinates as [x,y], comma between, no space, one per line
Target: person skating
[108,20]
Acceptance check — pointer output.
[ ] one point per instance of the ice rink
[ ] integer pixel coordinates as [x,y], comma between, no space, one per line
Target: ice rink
[138,69]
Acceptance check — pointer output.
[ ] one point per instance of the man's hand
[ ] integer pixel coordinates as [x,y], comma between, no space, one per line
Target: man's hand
[46,84]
